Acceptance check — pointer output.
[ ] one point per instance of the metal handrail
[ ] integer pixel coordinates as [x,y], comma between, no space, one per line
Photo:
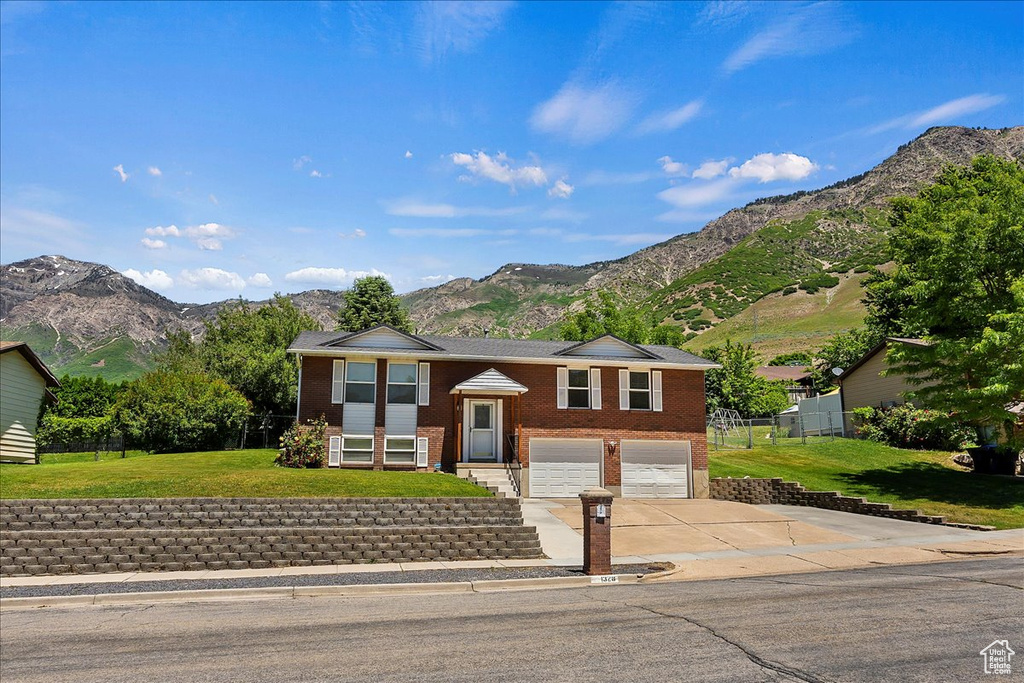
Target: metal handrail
[513,467]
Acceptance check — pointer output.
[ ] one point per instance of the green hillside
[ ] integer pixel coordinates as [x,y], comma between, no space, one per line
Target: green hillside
[115,360]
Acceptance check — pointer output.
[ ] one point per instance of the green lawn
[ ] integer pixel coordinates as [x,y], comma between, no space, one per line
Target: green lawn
[219,474]
[923,480]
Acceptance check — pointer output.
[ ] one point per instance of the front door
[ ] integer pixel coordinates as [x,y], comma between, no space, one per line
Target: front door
[482,432]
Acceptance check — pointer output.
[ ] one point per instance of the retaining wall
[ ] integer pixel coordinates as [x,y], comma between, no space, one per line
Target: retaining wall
[88,536]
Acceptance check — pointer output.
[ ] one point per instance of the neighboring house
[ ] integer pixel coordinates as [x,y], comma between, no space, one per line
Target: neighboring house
[863,386]
[24,383]
[798,379]
[574,415]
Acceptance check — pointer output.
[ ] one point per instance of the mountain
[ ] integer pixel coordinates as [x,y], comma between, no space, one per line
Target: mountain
[518,299]
[781,272]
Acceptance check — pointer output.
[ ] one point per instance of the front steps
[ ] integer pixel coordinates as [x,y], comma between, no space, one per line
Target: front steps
[495,479]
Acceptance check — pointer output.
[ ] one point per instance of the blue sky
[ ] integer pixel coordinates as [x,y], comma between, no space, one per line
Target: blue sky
[225,149]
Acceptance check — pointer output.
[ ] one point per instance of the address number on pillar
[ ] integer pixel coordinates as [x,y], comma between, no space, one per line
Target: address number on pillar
[611,578]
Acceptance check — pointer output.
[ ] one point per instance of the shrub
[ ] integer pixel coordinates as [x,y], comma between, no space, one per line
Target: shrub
[908,427]
[788,290]
[179,411]
[303,446]
[55,429]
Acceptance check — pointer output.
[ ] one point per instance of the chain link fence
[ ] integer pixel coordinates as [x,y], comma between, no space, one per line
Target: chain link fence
[793,427]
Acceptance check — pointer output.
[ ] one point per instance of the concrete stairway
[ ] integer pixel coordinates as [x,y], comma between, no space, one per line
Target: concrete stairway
[497,481]
[89,536]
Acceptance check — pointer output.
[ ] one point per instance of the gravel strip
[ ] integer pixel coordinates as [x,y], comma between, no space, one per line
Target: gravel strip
[302,580]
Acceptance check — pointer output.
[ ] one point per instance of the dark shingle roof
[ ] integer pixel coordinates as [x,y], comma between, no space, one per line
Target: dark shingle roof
[491,348]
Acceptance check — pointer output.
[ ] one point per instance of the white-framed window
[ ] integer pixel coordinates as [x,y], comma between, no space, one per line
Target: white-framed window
[424,395]
[402,383]
[338,381]
[579,388]
[640,390]
[357,449]
[360,381]
[400,450]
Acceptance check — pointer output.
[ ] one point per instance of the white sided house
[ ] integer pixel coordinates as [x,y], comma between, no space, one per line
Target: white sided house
[25,382]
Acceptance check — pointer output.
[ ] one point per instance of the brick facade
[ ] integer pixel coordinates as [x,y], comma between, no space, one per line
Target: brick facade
[681,418]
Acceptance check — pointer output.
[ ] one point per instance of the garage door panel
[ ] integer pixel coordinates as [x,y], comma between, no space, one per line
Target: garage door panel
[655,469]
[561,468]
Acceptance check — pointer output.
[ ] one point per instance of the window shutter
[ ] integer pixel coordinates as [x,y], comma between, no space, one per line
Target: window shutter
[338,382]
[656,390]
[563,387]
[595,389]
[334,452]
[623,389]
[421,451]
[424,396]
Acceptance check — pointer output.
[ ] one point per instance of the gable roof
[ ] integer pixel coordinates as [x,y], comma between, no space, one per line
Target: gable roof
[33,359]
[490,382]
[878,347]
[383,337]
[490,349]
[607,344]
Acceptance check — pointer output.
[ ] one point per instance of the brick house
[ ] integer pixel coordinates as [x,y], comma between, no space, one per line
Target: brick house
[559,417]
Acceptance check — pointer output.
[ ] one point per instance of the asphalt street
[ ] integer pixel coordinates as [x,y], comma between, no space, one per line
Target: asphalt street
[897,623]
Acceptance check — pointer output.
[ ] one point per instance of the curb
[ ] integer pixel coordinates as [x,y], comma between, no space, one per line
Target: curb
[291,593]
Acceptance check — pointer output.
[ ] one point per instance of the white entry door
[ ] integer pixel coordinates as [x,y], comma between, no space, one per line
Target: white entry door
[483,432]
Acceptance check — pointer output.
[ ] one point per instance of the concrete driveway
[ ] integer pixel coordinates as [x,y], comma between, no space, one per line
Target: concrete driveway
[679,529]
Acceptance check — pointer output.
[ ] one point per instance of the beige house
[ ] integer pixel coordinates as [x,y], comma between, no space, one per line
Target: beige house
[25,382]
[862,385]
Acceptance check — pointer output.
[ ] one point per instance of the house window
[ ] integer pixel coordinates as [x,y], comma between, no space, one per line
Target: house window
[357,449]
[639,390]
[360,382]
[579,388]
[402,383]
[400,449]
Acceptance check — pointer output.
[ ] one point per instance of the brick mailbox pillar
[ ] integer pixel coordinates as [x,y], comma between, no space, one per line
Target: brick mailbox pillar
[597,531]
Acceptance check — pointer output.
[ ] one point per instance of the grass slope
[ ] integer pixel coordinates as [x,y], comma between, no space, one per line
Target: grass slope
[220,474]
[923,480]
[798,322]
[115,359]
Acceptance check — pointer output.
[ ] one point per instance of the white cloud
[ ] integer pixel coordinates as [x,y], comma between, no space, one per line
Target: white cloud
[356,234]
[161,231]
[455,26]
[584,115]
[261,280]
[209,236]
[414,209]
[332,277]
[448,232]
[807,30]
[945,112]
[209,243]
[119,169]
[665,121]
[315,174]
[498,168]
[212,278]
[153,244]
[408,154]
[711,169]
[768,167]
[686,196]
[297,164]
[673,168]
[153,279]
[154,171]
[561,189]
[436,279]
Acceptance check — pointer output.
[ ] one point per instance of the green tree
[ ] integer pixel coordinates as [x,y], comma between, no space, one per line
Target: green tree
[247,348]
[166,411]
[797,358]
[735,386]
[959,253]
[608,315]
[370,302]
[840,352]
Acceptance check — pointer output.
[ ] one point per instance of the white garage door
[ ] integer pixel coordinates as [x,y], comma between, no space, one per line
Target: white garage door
[563,468]
[655,469]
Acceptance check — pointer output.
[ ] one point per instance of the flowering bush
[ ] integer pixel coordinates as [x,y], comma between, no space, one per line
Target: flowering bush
[908,427]
[303,446]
